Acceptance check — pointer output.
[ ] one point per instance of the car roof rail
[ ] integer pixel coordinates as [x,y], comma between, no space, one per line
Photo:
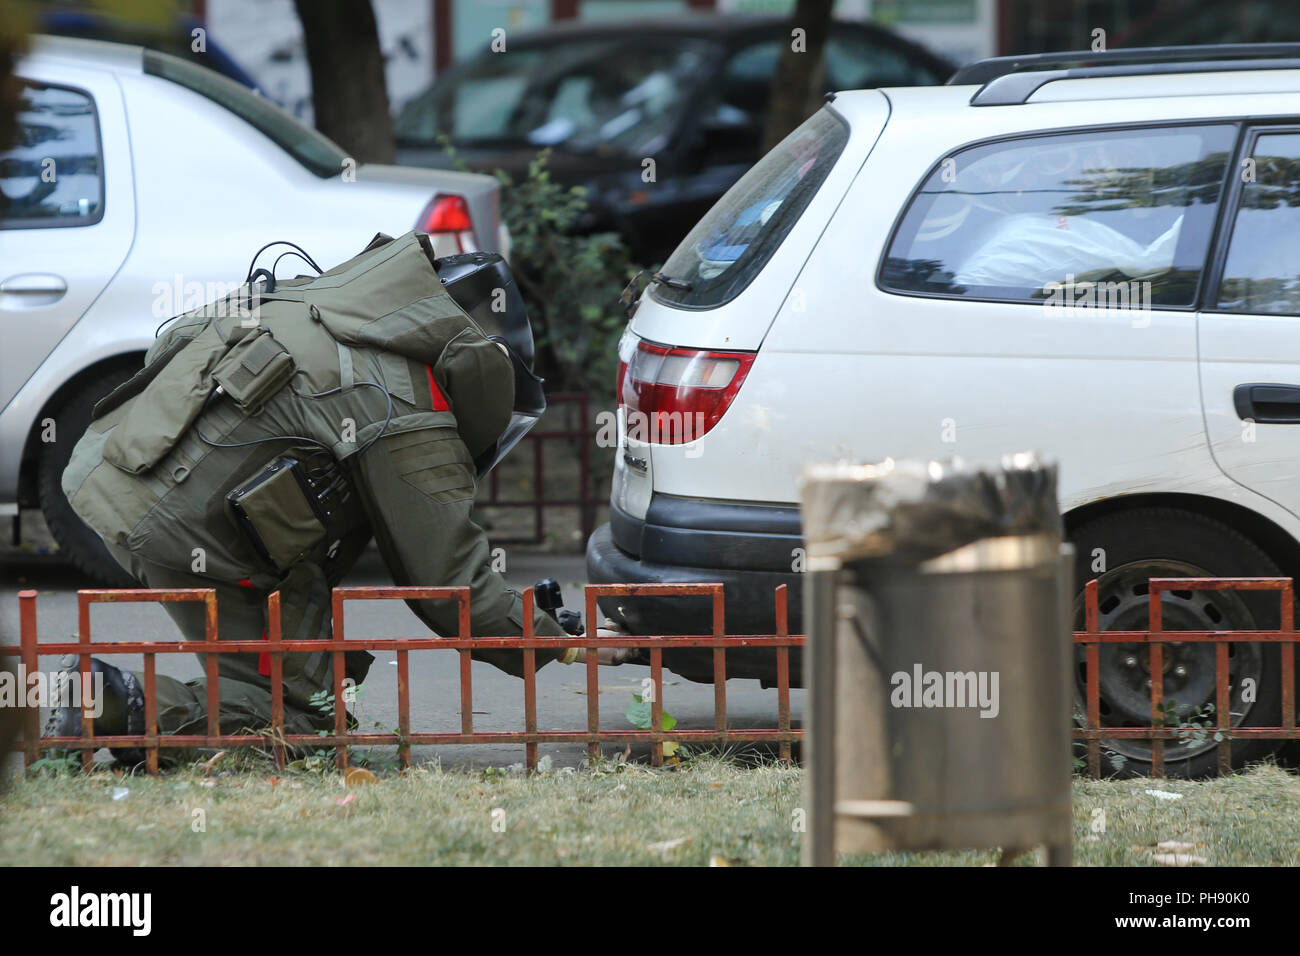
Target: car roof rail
[1011,80]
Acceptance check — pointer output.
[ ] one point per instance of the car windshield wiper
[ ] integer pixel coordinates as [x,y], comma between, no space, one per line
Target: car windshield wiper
[672,283]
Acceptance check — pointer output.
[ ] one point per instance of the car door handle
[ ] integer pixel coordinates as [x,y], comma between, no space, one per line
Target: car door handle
[1267,404]
[31,290]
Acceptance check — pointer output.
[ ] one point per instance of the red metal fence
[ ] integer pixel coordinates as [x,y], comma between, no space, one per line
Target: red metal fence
[1155,637]
[530,736]
[783,734]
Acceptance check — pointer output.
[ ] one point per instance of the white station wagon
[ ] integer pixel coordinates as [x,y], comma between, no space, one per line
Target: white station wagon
[1096,256]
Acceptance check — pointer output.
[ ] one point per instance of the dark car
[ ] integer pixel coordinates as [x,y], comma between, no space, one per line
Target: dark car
[690,93]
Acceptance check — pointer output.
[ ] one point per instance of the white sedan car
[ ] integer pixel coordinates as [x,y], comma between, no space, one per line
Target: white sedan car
[140,187]
[1098,262]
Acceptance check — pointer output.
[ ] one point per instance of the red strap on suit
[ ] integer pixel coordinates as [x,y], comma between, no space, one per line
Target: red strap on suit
[440,403]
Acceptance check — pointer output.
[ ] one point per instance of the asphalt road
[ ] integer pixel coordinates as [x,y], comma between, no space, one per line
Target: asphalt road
[435,699]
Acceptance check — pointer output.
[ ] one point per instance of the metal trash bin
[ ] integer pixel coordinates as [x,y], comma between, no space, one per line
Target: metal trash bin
[938,658]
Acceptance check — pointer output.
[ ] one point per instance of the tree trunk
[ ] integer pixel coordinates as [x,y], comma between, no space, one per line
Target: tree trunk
[349,95]
[796,85]
[14,26]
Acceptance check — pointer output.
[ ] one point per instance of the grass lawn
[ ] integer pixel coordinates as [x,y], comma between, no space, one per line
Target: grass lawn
[710,810]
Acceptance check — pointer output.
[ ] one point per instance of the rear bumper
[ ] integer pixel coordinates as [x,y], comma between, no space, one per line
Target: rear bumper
[749,563]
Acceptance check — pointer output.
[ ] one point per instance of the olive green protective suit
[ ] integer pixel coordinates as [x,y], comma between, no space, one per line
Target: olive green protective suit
[373,364]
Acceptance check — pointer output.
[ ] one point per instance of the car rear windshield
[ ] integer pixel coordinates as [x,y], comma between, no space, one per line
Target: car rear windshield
[611,94]
[313,150]
[734,240]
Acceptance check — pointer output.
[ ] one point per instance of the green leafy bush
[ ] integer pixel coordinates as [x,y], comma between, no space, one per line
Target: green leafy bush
[570,283]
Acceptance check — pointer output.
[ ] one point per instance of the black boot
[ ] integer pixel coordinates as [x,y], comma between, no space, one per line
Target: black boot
[121,710]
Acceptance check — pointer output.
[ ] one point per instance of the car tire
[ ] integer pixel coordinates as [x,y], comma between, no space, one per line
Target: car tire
[1123,550]
[82,546]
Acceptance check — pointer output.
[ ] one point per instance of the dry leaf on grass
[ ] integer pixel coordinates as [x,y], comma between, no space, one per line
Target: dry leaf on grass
[355,776]
[665,845]
[207,765]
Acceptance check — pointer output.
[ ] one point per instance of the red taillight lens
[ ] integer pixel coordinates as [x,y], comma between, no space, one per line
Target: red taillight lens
[446,214]
[449,215]
[674,395]
[618,383]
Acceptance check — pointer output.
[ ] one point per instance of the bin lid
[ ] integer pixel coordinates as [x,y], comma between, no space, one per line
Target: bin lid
[909,511]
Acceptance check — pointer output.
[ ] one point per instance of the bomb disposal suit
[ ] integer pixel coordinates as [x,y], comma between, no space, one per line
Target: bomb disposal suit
[261,452]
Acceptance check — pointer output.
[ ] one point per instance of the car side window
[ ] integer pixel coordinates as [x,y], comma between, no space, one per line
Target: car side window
[744,84]
[54,175]
[1262,272]
[1115,213]
[852,62]
[856,63]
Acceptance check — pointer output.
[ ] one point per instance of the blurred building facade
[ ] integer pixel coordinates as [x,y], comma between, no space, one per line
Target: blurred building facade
[421,37]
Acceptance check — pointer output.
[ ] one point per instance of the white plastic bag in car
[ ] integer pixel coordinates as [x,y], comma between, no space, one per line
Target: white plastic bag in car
[1030,250]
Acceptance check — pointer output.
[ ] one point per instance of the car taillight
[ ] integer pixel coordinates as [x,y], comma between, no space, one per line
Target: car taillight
[626,351]
[671,396]
[448,216]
